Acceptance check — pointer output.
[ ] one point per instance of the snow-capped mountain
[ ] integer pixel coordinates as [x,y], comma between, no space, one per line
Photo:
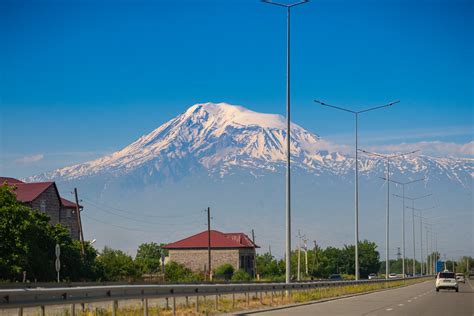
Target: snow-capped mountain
[233,160]
[221,139]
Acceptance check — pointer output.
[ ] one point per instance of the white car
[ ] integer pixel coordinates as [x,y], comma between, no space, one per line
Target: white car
[372,276]
[392,276]
[460,278]
[447,281]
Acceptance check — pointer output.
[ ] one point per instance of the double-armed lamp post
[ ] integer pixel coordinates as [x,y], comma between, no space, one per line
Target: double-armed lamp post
[403,220]
[356,173]
[387,227]
[288,153]
[413,222]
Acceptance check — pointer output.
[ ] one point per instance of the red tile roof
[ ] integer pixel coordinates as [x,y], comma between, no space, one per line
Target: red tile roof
[27,192]
[9,181]
[218,240]
[68,204]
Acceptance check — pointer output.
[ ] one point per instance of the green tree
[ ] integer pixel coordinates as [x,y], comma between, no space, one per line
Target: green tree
[268,267]
[28,244]
[148,258]
[117,265]
[369,259]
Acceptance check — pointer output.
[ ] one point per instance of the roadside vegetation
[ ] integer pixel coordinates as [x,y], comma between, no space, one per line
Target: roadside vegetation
[27,253]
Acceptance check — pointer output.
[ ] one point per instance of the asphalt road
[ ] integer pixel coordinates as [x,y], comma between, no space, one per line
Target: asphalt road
[418,299]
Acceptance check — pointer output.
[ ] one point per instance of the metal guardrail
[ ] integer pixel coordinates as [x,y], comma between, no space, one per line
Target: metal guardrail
[41,297]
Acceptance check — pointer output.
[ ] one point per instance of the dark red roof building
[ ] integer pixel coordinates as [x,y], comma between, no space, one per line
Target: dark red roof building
[44,197]
[236,249]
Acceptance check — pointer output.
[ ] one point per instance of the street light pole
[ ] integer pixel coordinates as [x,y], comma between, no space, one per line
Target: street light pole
[387,227]
[356,174]
[403,220]
[421,230]
[288,138]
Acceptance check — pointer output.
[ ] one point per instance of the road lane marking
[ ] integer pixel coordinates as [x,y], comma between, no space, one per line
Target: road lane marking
[409,301]
[389,309]
[400,304]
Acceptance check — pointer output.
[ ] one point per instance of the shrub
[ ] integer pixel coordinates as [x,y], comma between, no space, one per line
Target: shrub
[175,272]
[241,275]
[224,271]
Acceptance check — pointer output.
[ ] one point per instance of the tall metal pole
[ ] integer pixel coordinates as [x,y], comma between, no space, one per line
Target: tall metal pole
[421,244]
[356,175]
[209,242]
[387,237]
[414,252]
[387,178]
[288,154]
[288,137]
[403,232]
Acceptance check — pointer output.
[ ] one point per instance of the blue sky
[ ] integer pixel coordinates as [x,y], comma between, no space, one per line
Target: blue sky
[82,78]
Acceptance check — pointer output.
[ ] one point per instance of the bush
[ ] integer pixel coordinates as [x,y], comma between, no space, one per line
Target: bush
[224,271]
[241,275]
[175,272]
[117,265]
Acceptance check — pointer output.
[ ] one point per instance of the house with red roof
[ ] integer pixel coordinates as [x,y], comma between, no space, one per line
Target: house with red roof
[44,197]
[236,249]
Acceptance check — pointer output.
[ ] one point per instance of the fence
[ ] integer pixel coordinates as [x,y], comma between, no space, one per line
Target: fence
[42,297]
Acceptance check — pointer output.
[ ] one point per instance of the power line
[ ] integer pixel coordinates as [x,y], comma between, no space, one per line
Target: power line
[118,226]
[132,218]
[100,204]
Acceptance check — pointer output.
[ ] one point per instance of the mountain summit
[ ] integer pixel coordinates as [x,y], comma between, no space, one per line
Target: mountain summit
[211,136]
[221,139]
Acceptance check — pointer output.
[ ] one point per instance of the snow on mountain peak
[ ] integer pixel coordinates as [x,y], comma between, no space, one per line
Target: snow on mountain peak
[225,113]
[219,138]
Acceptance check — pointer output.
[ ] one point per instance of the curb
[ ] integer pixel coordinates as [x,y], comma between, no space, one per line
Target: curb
[329,299]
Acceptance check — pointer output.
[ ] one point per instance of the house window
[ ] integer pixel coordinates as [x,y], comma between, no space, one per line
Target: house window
[43,206]
[68,213]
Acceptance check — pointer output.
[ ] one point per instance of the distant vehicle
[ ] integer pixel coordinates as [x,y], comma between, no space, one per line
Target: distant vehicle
[460,278]
[446,280]
[392,276]
[372,276]
[335,277]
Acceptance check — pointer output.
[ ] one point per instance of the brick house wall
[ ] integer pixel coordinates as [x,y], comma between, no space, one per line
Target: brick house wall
[197,260]
[69,220]
[48,202]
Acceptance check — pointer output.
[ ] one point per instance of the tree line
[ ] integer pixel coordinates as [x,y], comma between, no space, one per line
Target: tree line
[27,252]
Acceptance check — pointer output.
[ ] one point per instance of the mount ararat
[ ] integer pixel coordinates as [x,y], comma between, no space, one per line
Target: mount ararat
[233,159]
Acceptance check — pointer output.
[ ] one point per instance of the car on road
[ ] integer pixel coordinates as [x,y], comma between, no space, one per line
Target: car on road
[392,276]
[372,276]
[460,278]
[335,277]
[446,281]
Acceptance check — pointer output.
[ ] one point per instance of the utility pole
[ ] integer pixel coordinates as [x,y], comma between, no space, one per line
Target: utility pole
[209,242]
[270,250]
[255,256]
[299,254]
[306,256]
[79,224]
[288,138]
[356,173]
[315,255]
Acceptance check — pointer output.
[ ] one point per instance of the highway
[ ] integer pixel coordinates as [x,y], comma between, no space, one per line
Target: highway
[418,299]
